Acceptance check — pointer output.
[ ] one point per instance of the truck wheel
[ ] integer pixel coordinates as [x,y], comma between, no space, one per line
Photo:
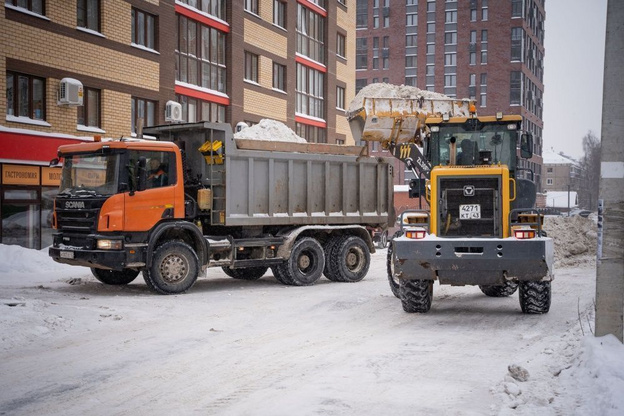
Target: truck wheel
[392,279]
[329,249]
[247,273]
[500,291]
[278,272]
[416,295]
[350,259]
[535,297]
[114,277]
[306,263]
[383,240]
[174,268]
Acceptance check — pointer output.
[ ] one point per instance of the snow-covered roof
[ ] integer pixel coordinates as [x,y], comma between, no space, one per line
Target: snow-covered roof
[550,157]
[559,199]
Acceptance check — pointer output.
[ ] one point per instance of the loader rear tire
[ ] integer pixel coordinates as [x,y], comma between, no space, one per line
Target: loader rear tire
[393,281]
[246,273]
[115,277]
[500,291]
[535,297]
[305,264]
[416,295]
[174,269]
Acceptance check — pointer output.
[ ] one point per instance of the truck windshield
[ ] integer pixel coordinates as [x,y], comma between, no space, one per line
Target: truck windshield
[492,144]
[88,174]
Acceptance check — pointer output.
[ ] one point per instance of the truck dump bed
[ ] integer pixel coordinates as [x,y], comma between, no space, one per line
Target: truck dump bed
[260,183]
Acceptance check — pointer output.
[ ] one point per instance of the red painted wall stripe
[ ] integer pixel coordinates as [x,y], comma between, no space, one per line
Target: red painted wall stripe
[206,96]
[201,18]
[28,147]
[311,64]
[307,121]
[314,7]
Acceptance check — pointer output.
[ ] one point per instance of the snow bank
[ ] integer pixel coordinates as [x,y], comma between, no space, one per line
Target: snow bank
[383,90]
[270,130]
[575,240]
[16,259]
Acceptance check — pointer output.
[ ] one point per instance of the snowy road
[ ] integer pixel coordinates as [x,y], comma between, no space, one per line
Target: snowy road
[72,346]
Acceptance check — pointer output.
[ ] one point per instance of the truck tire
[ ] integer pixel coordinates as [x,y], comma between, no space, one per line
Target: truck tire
[416,295]
[500,291]
[247,273]
[535,297]
[383,240]
[350,259]
[174,268]
[306,263]
[278,273]
[114,277]
[329,249]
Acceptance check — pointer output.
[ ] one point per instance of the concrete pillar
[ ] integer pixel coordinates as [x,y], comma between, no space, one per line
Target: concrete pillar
[610,261]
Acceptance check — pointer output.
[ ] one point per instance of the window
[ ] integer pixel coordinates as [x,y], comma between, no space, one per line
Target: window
[549,181]
[451,17]
[35,6]
[411,19]
[484,10]
[89,112]
[310,34]
[213,7]
[25,96]
[361,14]
[411,40]
[516,8]
[340,45]
[410,61]
[311,133]
[251,67]
[386,80]
[142,109]
[361,53]
[88,14]
[450,59]
[549,170]
[483,96]
[310,92]
[196,110]
[472,58]
[340,98]
[251,6]
[279,13]
[450,80]
[143,29]
[484,46]
[200,55]
[450,38]
[517,34]
[411,81]
[515,95]
[279,77]
[473,15]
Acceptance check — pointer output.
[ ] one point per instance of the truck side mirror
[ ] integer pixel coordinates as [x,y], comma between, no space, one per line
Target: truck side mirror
[142,174]
[526,146]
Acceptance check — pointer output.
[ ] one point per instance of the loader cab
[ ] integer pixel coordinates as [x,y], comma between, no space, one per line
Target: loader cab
[473,142]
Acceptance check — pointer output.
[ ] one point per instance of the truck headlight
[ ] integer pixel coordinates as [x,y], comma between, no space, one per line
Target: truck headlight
[110,244]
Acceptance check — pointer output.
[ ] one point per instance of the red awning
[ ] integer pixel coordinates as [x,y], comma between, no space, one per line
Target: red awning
[28,147]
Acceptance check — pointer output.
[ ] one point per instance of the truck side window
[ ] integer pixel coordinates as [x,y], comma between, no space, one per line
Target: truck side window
[160,168]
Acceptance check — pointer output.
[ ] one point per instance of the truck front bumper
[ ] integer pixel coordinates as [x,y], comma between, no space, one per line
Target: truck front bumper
[89,256]
[474,261]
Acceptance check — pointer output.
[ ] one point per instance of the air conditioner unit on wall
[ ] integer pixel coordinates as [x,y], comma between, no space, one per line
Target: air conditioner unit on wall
[70,92]
[173,111]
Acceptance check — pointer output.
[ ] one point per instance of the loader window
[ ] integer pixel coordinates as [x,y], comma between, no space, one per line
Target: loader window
[492,144]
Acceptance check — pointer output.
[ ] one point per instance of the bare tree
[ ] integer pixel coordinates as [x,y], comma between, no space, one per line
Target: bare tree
[590,168]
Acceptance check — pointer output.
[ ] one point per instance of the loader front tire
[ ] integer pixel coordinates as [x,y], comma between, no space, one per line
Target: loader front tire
[416,295]
[535,297]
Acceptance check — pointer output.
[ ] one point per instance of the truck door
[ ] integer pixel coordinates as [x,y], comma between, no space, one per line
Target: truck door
[156,202]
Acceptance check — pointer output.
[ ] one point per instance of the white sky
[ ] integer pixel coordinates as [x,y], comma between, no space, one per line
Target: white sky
[573,72]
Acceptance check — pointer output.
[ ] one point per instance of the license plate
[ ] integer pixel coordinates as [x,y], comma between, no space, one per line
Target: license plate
[470,212]
[67,254]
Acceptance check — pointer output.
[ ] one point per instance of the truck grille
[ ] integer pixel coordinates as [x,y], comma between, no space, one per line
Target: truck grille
[78,220]
[481,191]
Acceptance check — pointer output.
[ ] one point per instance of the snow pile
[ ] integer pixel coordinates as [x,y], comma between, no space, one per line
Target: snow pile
[270,130]
[383,90]
[16,259]
[575,239]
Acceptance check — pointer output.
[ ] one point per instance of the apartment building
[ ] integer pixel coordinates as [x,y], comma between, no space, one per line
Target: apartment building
[488,51]
[77,69]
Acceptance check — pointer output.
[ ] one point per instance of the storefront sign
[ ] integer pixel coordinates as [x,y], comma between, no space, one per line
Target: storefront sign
[20,175]
[51,176]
